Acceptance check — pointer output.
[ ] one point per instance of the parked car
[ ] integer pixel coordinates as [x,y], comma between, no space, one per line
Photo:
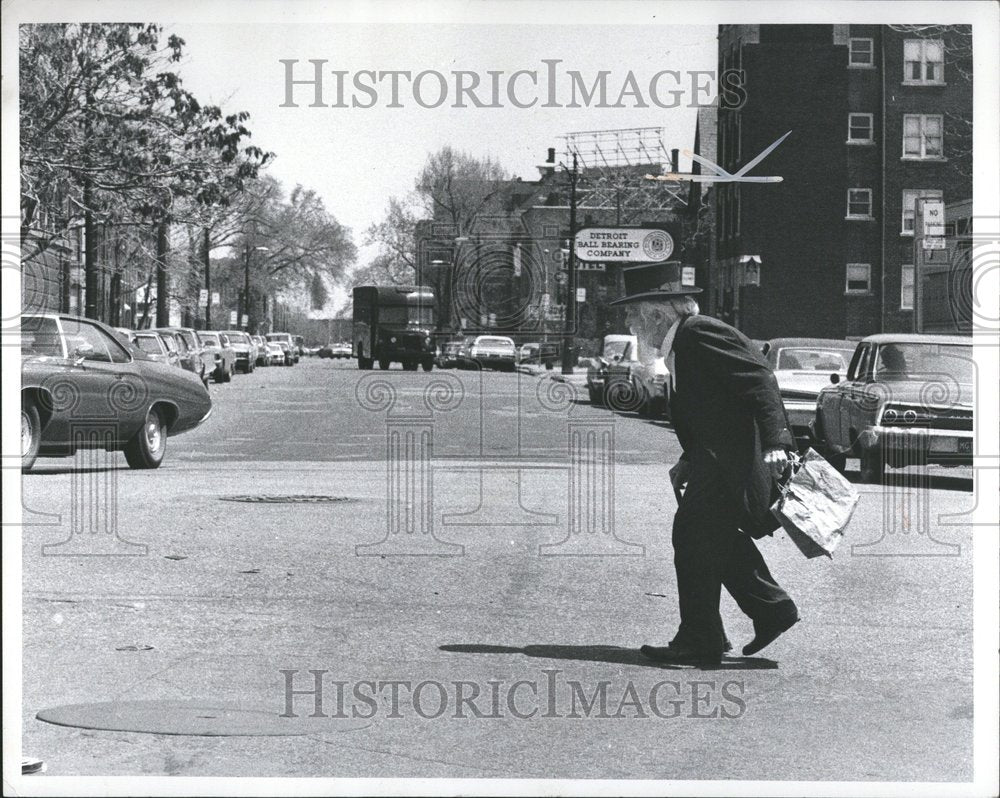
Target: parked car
[159,347]
[451,354]
[541,353]
[246,357]
[340,350]
[803,367]
[188,359]
[195,354]
[260,348]
[494,351]
[906,400]
[287,344]
[632,384]
[615,347]
[219,357]
[276,354]
[82,388]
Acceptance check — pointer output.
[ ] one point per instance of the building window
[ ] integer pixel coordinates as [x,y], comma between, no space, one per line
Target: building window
[859,203]
[923,62]
[861,53]
[859,129]
[923,136]
[859,278]
[906,288]
[910,197]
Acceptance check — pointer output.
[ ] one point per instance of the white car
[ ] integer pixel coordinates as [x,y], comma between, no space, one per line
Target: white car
[494,351]
[275,354]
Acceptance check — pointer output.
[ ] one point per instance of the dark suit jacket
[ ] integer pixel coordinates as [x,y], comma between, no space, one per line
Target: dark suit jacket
[727,407]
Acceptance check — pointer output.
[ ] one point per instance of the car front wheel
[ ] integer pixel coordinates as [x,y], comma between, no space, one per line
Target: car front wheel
[31,435]
[147,447]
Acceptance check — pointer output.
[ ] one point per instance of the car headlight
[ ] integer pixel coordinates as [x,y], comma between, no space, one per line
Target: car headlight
[900,415]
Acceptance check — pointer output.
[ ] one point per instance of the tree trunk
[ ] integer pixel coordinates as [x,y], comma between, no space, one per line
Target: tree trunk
[92,308]
[205,253]
[162,284]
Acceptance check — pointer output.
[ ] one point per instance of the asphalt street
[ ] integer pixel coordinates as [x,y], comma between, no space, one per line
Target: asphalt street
[456,535]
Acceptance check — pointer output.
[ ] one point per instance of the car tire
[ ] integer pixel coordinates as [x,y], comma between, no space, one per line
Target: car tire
[427,364]
[31,435]
[149,444]
[383,363]
[219,374]
[872,465]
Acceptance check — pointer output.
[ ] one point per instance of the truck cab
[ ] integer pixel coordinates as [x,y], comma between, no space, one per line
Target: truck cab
[394,324]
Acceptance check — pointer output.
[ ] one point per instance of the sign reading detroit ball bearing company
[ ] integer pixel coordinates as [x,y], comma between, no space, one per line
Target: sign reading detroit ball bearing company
[623,244]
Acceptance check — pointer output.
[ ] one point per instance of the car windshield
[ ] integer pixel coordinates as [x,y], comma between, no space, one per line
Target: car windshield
[501,343]
[149,343]
[613,348]
[238,338]
[209,340]
[40,336]
[919,361]
[279,337]
[810,359]
[189,340]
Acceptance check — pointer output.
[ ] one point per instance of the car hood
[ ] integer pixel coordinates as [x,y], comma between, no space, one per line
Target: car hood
[935,391]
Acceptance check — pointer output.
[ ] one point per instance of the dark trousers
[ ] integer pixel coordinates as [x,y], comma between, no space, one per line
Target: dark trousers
[709,552]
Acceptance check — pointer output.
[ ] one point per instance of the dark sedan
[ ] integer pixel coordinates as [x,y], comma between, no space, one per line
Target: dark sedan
[81,388]
[907,400]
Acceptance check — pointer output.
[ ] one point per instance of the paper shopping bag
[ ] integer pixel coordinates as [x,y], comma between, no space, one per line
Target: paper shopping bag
[816,505]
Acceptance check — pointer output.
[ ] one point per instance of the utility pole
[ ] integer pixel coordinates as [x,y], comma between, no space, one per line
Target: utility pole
[570,327]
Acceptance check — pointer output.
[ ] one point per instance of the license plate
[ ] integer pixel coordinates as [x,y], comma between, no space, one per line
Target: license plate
[945,444]
[965,447]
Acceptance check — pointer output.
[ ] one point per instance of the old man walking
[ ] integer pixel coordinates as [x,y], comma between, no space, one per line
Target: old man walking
[728,416]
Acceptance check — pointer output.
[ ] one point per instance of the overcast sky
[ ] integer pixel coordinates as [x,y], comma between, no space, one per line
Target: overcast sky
[356,158]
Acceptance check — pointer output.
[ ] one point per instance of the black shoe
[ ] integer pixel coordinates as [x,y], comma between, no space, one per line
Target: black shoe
[764,635]
[680,655]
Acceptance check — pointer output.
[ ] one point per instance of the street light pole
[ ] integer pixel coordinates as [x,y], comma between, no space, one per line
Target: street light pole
[570,324]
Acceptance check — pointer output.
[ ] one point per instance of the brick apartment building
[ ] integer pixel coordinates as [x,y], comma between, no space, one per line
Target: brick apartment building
[880,115]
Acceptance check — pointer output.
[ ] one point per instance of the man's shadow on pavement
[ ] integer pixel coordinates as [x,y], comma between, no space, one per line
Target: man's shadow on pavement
[614,654]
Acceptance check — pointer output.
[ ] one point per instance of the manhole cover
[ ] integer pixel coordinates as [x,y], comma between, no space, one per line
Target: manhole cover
[199,718]
[295,498]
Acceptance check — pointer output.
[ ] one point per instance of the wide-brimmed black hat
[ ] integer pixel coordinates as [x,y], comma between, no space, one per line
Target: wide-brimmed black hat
[657,281]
